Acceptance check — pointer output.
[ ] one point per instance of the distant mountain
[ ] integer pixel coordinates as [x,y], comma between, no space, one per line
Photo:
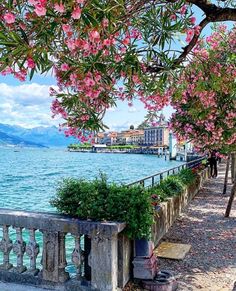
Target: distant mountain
[7,140]
[44,136]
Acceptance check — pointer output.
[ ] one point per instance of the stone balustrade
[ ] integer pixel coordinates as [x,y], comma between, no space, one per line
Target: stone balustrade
[98,255]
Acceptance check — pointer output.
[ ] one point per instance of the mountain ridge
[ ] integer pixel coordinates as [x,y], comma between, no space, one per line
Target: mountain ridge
[37,136]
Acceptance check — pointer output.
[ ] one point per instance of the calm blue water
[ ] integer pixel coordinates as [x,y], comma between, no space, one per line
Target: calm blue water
[28,178]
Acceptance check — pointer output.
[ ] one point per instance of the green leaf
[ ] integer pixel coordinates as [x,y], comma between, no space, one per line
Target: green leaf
[31,74]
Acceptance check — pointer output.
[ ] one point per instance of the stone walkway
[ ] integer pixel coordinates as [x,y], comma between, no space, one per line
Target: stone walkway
[211,263]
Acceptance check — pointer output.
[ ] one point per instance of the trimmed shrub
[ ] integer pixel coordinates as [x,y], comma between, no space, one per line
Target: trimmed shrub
[99,201]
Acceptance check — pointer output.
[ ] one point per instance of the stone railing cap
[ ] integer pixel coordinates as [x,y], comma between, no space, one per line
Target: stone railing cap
[45,221]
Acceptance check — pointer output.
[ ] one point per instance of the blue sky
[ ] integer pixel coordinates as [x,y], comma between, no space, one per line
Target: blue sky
[28,104]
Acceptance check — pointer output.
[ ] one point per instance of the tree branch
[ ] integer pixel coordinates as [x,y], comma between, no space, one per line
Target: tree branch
[213,13]
[187,49]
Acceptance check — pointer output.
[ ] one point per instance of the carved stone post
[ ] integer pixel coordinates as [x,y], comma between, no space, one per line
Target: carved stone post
[54,255]
[6,247]
[19,250]
[78,258]
[32,250]
[104,262]
[63,276]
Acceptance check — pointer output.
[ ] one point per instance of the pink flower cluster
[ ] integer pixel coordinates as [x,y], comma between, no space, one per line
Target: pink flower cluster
[204,95]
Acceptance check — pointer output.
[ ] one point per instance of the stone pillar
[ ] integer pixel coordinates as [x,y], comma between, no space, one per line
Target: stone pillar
[54,257]
[32,251]
[19,250]
[104,262]
[6,247]
[77,258]
[125,256]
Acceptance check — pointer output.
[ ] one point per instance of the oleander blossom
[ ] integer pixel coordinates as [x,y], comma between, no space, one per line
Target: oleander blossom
[205,113]
[9,18]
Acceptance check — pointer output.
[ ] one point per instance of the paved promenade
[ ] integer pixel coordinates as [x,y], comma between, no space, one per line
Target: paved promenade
[211,263]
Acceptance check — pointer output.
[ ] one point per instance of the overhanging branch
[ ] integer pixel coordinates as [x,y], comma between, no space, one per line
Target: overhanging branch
[213,13]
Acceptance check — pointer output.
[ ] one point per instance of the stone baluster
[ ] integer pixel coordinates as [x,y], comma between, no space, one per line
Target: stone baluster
[32,251]
[6,247]
[78,258]
[19,250]
[54,255]
[63,276]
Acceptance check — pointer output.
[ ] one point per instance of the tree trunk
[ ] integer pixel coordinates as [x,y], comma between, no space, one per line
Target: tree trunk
[231,199]
[233,167]
[226,174]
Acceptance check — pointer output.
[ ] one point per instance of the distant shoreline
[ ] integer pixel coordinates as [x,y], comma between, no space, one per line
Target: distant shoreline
[128,151]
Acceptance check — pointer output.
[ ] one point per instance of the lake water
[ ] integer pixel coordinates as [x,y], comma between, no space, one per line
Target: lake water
[28,178]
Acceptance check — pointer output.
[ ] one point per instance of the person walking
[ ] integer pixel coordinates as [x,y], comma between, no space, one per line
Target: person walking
[213,164]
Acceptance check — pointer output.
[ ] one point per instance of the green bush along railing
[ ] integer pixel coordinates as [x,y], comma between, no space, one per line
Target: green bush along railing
[99,200]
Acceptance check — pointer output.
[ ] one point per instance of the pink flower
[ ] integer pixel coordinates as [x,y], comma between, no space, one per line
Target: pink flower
[30,63]
[197,29]
[33,2]
[9,18]
[183,10]
[89,82]
[126,41]
[65,67]
[59,8]
[7,71]
[117,58]
[192,20]
[107,42]
[76,13]
[21,75]
[40,10]
[66,28]
[136,79]
[190,34]
[105,22]
[80,1]
[22,26]
[173,17]
[94,34]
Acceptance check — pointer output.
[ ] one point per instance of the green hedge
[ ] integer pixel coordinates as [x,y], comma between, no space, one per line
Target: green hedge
[98,200]
[172,186]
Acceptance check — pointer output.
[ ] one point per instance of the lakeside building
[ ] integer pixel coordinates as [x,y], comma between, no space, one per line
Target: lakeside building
[130,137]
[108,138]
[137,137]
[157,135]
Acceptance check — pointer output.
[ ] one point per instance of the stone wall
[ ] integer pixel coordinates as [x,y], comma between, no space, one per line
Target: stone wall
[168,211]
[145,262]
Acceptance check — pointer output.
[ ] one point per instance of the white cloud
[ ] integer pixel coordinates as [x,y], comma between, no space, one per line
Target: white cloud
[132,109]
[26,105]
